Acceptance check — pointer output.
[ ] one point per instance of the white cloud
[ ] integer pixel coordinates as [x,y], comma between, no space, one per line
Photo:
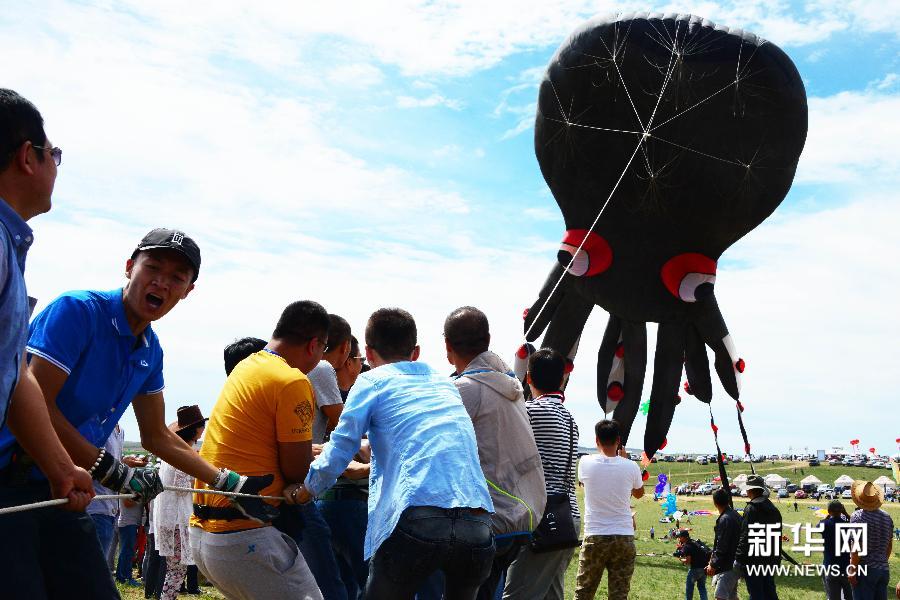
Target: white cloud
[853,137]
[359,75]
[429,102]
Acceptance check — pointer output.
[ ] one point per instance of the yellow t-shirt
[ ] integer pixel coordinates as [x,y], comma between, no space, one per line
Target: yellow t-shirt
[264,401]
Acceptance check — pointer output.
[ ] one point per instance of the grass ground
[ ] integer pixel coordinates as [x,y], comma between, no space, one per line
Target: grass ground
[660,575]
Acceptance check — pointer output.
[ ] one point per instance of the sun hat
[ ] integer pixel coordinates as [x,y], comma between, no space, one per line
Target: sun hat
[188,416]
[755,482]
[866,495]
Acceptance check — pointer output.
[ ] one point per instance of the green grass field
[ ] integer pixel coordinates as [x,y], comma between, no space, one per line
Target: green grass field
[661,576]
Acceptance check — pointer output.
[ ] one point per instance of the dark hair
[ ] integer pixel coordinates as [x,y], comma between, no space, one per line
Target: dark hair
[20,122]
[240,349]
[546,367]
[466,330]
[302,321]
[190,433]
[836,506]
[338,332]
[391,332]
[354,346]
[721,497]
[607,431]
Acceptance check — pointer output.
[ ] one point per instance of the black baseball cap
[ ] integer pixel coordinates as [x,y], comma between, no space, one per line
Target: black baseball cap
[172,239]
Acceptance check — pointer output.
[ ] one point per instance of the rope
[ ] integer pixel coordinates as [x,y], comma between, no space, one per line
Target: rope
[57,502]
[168,488]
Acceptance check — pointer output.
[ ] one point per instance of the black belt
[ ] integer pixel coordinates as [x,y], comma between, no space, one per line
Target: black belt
[206,512]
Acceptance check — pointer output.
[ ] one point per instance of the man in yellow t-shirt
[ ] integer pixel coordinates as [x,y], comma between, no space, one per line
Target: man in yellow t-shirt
[262,425]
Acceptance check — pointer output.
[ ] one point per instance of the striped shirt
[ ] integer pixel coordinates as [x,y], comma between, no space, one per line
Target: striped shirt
[878,525]
[550,421]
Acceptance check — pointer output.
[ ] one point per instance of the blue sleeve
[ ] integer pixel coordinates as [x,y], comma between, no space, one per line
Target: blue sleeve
[338,452]
[155,382]
[62,331]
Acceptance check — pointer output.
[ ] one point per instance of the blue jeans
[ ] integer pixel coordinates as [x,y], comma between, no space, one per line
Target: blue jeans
[347,520]
[761,587]
[872,585]
[695,576]
[104,525]
[458,541]
[314,542]
[127,539]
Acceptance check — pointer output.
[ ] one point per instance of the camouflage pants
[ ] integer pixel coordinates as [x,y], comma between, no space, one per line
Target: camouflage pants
[614,553]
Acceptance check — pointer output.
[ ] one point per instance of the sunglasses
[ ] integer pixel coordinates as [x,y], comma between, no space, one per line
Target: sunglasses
[55,153]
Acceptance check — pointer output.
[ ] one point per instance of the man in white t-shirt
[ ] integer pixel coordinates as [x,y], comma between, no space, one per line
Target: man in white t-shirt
[610,481]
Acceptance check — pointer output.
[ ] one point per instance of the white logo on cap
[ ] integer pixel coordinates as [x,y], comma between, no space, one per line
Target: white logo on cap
[177,238]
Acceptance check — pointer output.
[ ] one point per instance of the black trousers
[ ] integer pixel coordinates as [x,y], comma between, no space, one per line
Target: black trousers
[154,569]
[50,553]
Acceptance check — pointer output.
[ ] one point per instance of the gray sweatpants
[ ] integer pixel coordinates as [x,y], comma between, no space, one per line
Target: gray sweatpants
[254,565]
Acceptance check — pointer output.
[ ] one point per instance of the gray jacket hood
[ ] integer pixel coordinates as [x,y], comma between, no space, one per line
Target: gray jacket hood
[489,369]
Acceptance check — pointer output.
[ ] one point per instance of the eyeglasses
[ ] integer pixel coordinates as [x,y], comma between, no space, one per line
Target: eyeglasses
[55,153]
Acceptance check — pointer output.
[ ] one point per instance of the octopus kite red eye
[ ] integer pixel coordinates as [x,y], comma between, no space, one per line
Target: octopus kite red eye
[593,258]
[690,276]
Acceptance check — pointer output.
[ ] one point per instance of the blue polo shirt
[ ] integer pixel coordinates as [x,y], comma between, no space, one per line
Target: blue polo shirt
[15,306]
[86,334]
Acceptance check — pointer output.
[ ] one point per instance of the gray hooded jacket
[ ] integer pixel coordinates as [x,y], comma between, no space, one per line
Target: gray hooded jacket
[506,449]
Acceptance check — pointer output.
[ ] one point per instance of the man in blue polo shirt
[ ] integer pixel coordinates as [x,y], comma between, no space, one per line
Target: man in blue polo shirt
[93,354]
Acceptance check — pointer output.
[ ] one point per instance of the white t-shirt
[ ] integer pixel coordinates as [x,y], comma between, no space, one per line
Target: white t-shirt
[607,493]
[325,384]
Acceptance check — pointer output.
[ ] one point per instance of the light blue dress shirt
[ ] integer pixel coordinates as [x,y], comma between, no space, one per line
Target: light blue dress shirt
[424,451]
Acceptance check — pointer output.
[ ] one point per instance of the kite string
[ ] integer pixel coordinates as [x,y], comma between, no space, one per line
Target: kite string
[590,230]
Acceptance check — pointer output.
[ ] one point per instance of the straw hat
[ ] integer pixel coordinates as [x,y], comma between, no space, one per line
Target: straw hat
[866,495]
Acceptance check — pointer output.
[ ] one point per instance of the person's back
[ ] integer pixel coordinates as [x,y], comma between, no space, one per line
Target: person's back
[507,451]
[608,484]
[873,572]
[422,442]
[428,499]
[610,481]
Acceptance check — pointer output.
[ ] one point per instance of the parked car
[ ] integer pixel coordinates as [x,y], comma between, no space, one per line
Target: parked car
[814,462]
[847,494]
[782,493]
[800,495]
[792,487]
[834,462]
[701,460]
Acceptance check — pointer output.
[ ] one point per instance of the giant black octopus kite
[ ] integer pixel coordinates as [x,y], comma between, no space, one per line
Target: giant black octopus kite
[664,139]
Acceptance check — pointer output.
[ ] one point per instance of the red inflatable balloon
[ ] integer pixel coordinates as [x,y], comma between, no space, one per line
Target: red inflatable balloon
[872,450]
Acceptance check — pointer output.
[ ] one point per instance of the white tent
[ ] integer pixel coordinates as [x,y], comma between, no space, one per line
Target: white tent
[774,480]
[740,479]
[810,480]
[843,480]
[885,482]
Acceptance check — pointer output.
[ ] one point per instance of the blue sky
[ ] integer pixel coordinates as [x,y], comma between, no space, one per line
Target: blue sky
[372,154]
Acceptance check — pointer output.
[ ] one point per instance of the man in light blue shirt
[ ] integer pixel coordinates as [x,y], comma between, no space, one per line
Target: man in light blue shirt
[429,506]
